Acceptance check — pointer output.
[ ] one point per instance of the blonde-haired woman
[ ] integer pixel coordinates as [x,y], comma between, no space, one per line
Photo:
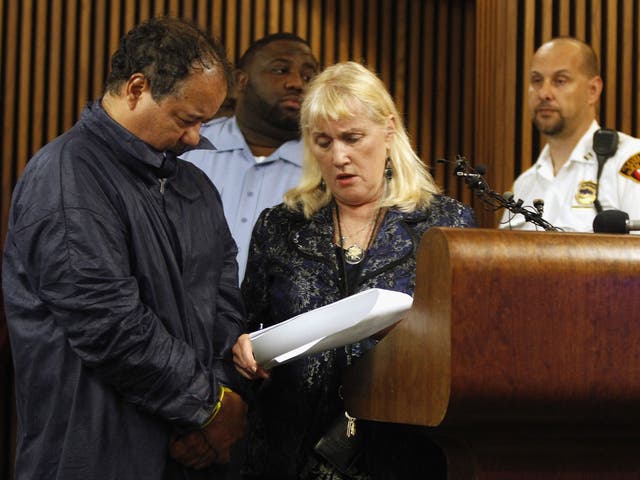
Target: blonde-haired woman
[353,223]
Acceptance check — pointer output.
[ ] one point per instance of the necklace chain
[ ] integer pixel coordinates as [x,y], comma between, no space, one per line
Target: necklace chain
[358,232]
[354,253]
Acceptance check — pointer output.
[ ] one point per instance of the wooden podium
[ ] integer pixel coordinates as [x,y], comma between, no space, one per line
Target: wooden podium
[520,356]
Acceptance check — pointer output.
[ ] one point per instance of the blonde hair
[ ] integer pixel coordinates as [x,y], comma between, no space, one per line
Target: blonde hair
[330,97]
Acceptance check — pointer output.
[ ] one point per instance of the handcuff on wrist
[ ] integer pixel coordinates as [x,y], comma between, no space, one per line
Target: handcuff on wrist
[223,389]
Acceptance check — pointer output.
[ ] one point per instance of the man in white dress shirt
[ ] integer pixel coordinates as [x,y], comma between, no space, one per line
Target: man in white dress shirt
[564,92]
[258,153]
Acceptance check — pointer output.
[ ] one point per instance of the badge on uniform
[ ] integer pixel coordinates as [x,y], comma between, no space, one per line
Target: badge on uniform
[631,168]
[586,193]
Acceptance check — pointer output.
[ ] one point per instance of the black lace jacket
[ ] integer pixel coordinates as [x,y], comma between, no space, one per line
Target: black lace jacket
[293,268]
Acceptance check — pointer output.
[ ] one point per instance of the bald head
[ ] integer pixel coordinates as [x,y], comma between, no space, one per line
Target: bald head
[564,88]
[588,60]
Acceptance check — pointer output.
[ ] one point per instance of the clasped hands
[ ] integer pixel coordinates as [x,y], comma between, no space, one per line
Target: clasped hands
[201,448]
[212,444]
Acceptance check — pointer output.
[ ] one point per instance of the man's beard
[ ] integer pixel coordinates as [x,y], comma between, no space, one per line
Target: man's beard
[549,129]
[281,119]
[275,114]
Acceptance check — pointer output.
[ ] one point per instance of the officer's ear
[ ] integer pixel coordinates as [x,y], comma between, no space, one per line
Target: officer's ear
[240,77]
[595,89]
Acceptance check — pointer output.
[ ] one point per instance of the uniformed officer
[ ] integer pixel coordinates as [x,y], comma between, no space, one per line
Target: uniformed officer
[564,92]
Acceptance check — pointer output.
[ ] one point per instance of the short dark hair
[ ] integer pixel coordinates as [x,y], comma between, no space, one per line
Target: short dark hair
[259,44]
[166,50]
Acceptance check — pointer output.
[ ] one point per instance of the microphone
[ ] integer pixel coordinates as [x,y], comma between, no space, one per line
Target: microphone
[508,196]
[538,204]
[461,167]
[605,142]
[614,221]
[481,169]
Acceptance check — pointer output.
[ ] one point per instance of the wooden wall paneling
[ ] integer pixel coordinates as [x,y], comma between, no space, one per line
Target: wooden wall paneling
[259,15]
[494,146]
[315,35]
[635,60]
[495,107]
[483,115]
[564,17]
[24,91]
[5,184]
[426,89]
[116,28]
[246,22]
[625,92]
[440,118]
[513,168]
[158,9]
[187,10]
[2,48]
[274,16]
[468,110]
[216,20]
[99,57]
[344,30]
[372,34]
[595,30]
[302,20]
[511,104]
[9,102]
[287,16]
[414,117]
[134,12]
[201,16]
[84,53]
[39,77]
[610,37]
[398,56]
[454,97]
[384,45]
[69,65]
[580,19]
[546,20]
[357,30]
[228,33]
[328,33]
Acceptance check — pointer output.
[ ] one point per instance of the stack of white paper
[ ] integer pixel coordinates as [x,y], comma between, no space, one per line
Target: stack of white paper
[340,323]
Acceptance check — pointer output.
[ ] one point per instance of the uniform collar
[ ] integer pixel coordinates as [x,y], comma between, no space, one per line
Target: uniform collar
[232,139]
[581,153]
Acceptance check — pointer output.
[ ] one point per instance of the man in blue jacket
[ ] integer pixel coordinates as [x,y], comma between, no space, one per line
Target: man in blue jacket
[120,279]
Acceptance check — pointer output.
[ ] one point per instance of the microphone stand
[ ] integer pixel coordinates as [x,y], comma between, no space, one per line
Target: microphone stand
[477,183]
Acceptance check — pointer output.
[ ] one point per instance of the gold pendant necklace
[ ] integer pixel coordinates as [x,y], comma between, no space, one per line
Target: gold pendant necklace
[354,253]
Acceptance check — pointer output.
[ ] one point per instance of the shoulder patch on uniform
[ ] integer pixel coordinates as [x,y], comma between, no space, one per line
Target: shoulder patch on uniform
[631,168]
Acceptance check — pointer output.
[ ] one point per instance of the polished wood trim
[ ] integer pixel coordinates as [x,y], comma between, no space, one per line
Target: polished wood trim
[519,355]
[505,324]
